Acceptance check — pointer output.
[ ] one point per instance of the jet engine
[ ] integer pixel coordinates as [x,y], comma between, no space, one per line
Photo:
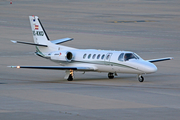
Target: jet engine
[69,56]
[65,56]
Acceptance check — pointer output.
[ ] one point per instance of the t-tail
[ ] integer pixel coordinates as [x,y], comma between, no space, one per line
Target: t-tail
[39,34]
[41,40]
[40,37]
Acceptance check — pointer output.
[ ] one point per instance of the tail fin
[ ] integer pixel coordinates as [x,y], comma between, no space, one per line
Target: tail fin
[39,33]
[40,37]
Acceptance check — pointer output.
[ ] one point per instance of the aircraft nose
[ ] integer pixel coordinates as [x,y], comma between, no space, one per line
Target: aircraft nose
[146,67]
[150,68]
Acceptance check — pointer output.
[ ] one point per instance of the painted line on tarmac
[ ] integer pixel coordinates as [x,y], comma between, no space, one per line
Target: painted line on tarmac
[92,30]
[130,21]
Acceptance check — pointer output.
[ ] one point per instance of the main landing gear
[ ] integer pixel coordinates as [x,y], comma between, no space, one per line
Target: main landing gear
[140,78]
[110,75]
[70,78]
[69,75]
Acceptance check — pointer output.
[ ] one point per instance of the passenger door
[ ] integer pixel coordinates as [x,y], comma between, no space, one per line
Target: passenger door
[107,59]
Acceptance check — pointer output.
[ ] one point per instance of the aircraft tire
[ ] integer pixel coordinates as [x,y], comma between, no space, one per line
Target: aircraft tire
[110,75]
[141,78]
[70,78]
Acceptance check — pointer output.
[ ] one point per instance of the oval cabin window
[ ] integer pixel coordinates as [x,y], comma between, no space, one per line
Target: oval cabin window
[84,56]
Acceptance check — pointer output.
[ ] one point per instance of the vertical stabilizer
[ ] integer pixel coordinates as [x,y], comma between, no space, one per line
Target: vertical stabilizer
[39,33]
[40,37]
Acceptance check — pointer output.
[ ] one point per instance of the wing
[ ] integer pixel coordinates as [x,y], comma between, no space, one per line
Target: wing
[29,43]
[61,40]
[160,59]
[57,68]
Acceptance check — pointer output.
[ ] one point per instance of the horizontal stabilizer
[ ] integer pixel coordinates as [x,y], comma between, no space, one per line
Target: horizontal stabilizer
[160,59]
[56,68]
[59,41]
[29,43]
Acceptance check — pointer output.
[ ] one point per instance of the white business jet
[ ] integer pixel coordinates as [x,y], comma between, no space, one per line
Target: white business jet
[73,59]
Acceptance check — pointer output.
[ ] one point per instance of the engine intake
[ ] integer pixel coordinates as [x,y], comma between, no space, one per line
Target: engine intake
[69,56]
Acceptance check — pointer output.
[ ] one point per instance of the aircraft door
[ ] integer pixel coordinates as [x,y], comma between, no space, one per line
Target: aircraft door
[107,59]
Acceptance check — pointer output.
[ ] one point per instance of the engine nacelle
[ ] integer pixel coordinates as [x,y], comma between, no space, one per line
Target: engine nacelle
[69,56]
[62,56]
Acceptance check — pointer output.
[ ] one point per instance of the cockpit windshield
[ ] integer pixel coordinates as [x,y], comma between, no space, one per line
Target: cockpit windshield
[127,56]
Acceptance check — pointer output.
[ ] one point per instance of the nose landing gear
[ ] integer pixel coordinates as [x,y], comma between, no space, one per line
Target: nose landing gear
[140,78]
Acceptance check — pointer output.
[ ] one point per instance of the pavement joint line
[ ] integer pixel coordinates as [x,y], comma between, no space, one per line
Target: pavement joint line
[123,32]
[129,21]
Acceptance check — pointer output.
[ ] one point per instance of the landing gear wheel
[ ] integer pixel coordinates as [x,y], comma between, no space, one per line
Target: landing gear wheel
[110,75]
[141,78]
[70,78]
[69,75]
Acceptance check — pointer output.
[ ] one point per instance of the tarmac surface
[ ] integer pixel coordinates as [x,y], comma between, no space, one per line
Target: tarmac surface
[148,27]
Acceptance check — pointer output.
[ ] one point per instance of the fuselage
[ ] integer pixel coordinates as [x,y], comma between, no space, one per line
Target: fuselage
[104,60]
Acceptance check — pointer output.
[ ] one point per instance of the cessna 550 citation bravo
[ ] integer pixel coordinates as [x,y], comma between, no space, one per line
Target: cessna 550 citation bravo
[72,59]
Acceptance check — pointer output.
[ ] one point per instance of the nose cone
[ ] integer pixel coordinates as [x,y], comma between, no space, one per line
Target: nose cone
[145,66]
[149,68]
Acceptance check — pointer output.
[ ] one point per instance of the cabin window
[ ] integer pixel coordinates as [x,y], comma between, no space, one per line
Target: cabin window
[102,57]
[120,58]
[89,56]
[84,56]
[98,56]
[93,56]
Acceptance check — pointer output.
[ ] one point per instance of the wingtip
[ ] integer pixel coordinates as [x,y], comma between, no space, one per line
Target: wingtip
[14,66]
[10,66]
[13,41]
